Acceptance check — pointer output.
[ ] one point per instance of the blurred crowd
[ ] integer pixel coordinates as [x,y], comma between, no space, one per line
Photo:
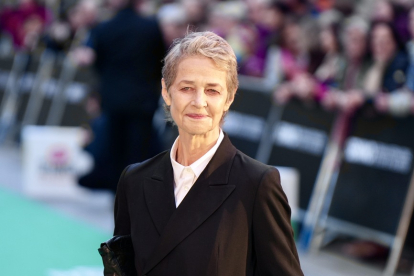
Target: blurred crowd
[340,53]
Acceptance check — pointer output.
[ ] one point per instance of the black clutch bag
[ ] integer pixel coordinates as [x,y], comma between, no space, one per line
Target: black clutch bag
[118,256]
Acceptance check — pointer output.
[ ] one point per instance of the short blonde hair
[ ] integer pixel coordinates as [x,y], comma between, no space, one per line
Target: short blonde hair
[206,44]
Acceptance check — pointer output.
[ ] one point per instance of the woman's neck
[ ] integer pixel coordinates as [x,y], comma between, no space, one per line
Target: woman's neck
[193,147]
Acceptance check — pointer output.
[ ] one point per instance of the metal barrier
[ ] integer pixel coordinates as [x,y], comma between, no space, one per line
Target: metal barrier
[329,150]
[365,188]
[11,98]
[295,135]
[247,122]
[41,90]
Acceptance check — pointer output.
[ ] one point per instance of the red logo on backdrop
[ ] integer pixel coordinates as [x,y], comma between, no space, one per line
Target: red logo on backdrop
[58,157]
[57,160]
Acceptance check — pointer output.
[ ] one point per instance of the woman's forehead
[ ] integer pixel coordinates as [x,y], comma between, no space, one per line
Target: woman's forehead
[200,68]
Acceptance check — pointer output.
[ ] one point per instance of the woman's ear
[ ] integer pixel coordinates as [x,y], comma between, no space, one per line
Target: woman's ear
[164,93]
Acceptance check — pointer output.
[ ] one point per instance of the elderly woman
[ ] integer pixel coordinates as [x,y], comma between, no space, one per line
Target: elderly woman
[204,208]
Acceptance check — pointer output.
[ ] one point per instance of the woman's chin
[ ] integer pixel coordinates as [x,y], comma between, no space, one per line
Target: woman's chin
[198,129]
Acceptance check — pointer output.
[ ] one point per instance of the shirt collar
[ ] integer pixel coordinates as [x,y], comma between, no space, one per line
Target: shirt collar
[199,165]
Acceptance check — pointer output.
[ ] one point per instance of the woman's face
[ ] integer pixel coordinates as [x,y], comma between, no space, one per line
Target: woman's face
[383,46]
[355,44]
[383,11]
[328,40]
[198,96]
[293,38]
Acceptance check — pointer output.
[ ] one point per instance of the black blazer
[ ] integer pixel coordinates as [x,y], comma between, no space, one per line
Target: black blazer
[234,221]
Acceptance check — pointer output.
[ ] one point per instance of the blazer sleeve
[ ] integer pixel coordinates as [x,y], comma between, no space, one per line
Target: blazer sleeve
[121,212]
[274,245]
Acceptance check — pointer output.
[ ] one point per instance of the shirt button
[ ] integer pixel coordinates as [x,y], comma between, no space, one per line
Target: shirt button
[186,188]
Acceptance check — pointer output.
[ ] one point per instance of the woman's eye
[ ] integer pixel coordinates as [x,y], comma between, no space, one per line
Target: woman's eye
[186,88]
[212,91]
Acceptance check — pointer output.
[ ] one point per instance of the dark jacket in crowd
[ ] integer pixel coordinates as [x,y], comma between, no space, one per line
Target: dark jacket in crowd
[395,73]
[129,50]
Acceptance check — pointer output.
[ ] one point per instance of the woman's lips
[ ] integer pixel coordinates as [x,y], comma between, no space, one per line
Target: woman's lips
[196,116]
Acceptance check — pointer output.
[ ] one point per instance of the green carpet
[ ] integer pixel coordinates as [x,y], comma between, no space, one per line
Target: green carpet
[38,241]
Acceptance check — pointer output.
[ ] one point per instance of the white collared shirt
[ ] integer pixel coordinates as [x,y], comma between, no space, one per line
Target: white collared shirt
[185,177]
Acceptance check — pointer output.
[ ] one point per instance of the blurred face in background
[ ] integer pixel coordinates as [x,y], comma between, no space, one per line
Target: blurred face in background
[83,15]
[172,30]
[256,10]
[292,38]
[383,11]
[272,18]
[328,40]
[383,45]
[195,10]
[355,44]
[116,4]
[27,3]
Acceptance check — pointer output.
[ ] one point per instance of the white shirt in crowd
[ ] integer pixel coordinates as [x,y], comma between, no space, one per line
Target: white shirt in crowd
[185,177]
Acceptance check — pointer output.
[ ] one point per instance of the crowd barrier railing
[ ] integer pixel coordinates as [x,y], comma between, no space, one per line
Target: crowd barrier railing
[46,89]
[371,195]
[335,154]
[356,170]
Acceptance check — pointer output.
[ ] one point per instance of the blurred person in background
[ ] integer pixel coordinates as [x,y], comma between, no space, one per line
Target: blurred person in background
[410,51]
[389,61]
[294,61]
[311,87]
[386,71]
[347,96]
[196,13]
[173,21]
[329,37]
[395,13]
[126,52]
[400,102]
[71,26]
[261,63]
[267,18]
[25,22]
[226,20]
[383,10]
[298,8]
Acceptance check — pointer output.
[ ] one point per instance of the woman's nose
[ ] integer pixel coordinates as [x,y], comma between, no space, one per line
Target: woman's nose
[200,99]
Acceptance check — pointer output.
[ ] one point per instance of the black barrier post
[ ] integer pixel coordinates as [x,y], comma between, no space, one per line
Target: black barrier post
[248,120]
[10,102]
[57,108]
[266,142]
[36,97]
[318,202]
[67,75]
[402,231]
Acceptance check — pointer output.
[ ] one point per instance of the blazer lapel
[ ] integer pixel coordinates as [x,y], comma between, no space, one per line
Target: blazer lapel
[207,194]
[159,194]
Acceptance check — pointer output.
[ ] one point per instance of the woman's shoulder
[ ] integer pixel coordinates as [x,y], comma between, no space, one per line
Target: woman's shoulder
[252,168]
[148,166]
